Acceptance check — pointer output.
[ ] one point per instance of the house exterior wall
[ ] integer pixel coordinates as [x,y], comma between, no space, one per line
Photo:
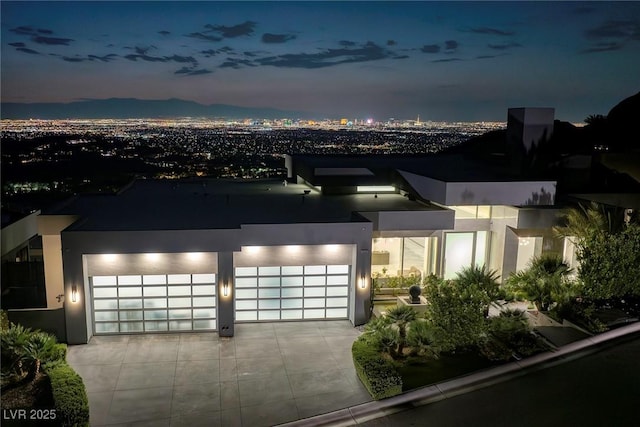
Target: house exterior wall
[49,227]
[77,244]
[16,235]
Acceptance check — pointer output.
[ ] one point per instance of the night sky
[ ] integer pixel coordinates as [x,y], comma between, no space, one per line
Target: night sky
[459,61]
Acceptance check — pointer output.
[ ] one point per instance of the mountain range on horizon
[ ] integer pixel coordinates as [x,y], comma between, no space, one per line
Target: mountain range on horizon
[133,108]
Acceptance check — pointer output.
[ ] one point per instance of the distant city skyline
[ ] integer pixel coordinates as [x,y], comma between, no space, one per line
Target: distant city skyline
[451,61]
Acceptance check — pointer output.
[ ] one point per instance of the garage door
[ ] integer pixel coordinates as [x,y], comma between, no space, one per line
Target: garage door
[292,292]
[153,303]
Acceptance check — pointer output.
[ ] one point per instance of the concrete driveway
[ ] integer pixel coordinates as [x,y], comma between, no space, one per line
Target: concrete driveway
[269,373]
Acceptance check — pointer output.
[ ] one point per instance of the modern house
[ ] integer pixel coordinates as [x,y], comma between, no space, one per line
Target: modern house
[204,254]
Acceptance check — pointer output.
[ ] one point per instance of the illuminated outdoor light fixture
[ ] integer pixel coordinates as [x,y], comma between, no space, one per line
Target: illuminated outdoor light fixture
[225,289]
[74,294]
[363,282]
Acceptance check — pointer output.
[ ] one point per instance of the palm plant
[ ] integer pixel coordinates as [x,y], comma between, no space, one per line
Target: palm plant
[585,221]
[38,349]
[24,350]
[544,282]
[13,342]
[482,279]
[399,318]
[421,338]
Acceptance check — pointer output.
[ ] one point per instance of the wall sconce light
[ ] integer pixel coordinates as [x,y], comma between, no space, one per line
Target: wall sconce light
[225,289]
[363,282]
[74,294]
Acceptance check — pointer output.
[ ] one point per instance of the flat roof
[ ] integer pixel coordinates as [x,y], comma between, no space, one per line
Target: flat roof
[443,167]
[205,203]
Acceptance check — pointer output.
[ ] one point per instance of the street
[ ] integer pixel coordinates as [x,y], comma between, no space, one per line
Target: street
[600,389]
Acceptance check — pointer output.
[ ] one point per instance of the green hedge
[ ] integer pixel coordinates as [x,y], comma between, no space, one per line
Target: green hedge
[58,352]
[377,374]
[69,395]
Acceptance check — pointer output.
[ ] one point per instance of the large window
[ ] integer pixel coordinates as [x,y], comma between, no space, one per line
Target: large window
[528,248]
[463,249]
[404,256]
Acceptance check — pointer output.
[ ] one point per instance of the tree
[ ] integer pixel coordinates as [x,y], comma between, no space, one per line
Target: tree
[544,282]
[456,314]
[607,250]
[609,264]
[596,120]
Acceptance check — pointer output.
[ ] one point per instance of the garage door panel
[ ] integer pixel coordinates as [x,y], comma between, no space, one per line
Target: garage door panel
[336,313]
[246,315]
[292,315]
[154,279]
[269,315]
[154,303]
[156,326]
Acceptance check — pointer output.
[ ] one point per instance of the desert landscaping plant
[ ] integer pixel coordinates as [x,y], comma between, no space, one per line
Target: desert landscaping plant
[544,282]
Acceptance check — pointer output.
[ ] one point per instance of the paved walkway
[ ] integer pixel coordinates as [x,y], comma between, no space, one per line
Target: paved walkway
[269,373]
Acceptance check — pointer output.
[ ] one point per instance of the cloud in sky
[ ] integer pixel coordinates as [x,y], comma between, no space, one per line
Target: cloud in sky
[277,38]
[23,30]
[451,45]
[603,47]
[504,46]
[206,37]
[430,48]
[615,29]
[27,50]
[244,29]
[328,57]
[490,31]
[186,71]
[612,35]
[36,35]
[447,60]
[105,58]
[51,40]
[237,63]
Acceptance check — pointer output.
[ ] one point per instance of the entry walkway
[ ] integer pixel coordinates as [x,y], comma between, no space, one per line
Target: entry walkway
[269,373]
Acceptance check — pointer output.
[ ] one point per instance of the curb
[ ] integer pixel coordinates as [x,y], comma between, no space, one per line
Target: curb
[379,408]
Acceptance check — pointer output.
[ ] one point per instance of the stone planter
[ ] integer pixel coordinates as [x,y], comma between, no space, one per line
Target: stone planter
[406,301]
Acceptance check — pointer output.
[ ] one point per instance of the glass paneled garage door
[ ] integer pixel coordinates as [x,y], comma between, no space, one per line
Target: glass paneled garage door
[292,292]
[153,303]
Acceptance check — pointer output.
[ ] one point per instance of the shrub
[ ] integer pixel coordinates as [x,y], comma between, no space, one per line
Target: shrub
[24,350]
[481,277]
[69,395]
[4,320]
[456,314]
[544,282]
[421,339]
[14,341]
[609,264]
[377,374]
[509,334]
[582,314]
